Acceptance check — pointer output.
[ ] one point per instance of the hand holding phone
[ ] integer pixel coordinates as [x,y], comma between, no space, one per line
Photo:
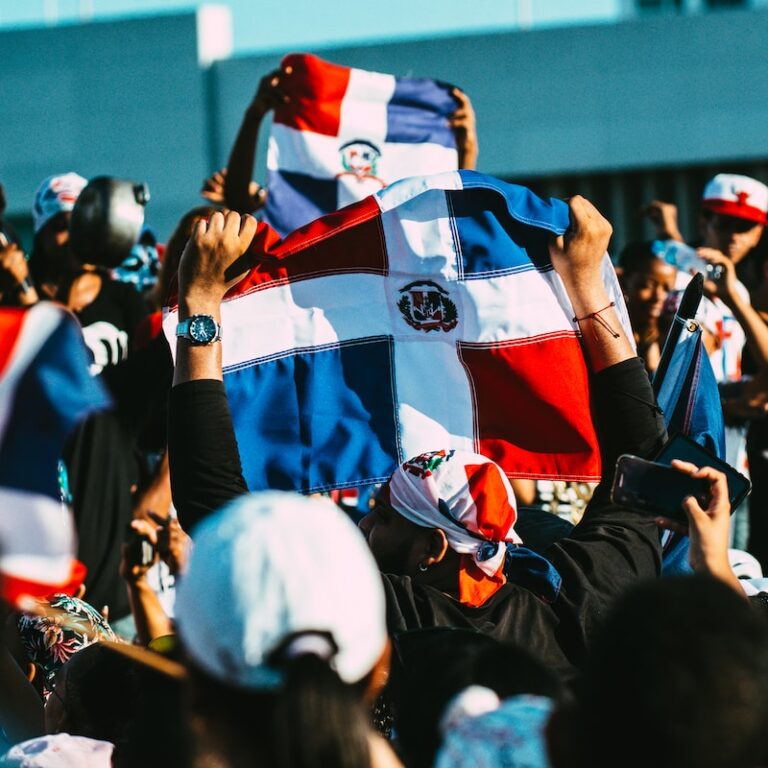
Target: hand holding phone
[656,489]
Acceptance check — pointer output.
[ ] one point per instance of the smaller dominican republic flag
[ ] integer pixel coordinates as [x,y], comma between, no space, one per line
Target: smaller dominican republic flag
[347,133]
[45,390]
[425,317]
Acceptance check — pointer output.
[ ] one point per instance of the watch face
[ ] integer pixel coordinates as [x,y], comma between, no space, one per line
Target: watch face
[202,329]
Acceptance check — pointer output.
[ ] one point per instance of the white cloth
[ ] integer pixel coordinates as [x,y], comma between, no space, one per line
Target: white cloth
[60,750]
[57,194]
[465,495]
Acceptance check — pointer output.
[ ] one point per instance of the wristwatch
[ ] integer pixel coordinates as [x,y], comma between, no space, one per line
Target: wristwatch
[199,329]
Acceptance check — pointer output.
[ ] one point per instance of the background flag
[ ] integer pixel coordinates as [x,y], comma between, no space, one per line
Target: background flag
[45,390]
[427,316]
[685,384]
[347,133]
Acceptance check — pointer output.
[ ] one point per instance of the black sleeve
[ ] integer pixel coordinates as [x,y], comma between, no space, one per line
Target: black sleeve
[202,450]
[140,381]
[626,417]
[612,546]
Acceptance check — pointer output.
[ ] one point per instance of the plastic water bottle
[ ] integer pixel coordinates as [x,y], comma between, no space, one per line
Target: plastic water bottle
[685,258]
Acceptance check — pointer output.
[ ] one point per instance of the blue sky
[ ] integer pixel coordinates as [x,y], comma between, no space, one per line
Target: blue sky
[271,24]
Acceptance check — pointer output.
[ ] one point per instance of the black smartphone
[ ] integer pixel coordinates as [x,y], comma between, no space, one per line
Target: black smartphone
[683,448]
[656,489]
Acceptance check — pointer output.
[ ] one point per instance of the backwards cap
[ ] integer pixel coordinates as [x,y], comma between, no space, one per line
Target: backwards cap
[739,196]
[469,498]
[274,567]
[57,194]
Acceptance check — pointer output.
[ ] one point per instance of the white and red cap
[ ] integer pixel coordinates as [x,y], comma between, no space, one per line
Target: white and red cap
[470,499]
[277,572]
[738,196]
[57,194]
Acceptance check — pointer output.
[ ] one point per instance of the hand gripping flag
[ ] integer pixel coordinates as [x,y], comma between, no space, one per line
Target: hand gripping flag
[347,133]
[424,317]
[45,390]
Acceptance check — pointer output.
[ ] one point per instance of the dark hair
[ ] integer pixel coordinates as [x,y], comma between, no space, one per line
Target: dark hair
[431,666]
[312,720]
[111,697]
[635,257]
[678,677]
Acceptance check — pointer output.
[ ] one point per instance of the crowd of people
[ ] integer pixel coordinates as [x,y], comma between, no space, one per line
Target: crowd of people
[219,627]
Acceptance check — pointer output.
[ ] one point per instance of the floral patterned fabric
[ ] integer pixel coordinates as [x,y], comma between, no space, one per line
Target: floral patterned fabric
[50,640]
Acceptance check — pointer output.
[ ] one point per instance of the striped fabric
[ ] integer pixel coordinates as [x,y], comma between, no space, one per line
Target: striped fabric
[425,317]
[45,390]
[347,133]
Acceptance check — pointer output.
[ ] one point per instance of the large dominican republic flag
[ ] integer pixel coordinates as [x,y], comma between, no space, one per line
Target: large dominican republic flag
[427,316]
[45,390]
[347,133]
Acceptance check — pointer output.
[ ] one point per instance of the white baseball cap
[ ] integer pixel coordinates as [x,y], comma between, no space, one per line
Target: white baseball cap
[60,750]
[57,194]
[739,196]
[273,566]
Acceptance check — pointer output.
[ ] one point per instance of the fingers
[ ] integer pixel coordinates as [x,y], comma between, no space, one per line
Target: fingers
[247,230]
[684,466]
[145,528]
[586,220]
[671,525]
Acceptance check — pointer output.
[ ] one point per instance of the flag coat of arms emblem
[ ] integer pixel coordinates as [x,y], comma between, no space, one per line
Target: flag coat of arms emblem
[45,390]
[425,317]
[347,133]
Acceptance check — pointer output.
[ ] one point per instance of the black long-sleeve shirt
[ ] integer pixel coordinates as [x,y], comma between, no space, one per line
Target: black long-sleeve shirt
[609,549]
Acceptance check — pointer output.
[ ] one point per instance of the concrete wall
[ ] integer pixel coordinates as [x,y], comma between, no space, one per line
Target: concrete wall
[123,98]
[656,91]
[129,98]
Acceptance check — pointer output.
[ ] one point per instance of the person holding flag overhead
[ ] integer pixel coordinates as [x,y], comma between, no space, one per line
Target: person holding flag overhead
[444,517]
[338,135]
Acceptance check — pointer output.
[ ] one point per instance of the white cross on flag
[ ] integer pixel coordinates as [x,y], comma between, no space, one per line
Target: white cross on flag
[424,317]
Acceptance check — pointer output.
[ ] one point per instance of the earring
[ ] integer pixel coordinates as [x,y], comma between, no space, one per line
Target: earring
[423,567]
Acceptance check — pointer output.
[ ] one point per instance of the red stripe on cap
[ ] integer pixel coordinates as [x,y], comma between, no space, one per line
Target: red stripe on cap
[736,210]
[11,322]
[495,515]
[316,89]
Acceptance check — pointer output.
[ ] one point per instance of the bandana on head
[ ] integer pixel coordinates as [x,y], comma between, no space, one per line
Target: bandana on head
[469,498]
[51,640]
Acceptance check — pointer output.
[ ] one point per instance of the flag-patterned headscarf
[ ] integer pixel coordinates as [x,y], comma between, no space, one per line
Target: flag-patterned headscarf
[469,498]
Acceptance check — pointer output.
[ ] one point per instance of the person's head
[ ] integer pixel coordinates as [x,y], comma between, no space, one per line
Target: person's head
[646,280]
[51,214]
[281,614]
[106,695]
[63,627]
[444,519]
[431,667]
[481,730]
[678,676]
[734,214]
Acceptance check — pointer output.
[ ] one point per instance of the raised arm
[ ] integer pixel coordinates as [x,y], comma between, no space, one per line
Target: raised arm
[626,417]
[239,175]
[577,257]
[204,460]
